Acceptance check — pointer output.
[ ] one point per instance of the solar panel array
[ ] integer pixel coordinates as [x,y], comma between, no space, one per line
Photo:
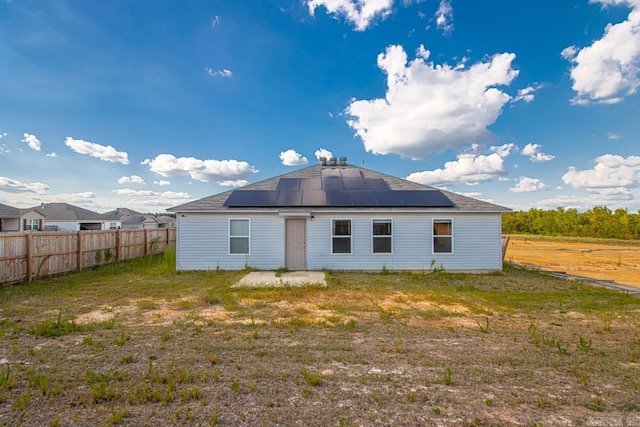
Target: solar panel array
[336,188]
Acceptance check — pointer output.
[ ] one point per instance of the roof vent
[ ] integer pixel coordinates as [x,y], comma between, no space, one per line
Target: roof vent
[333,161]
[323,161]
[343,161]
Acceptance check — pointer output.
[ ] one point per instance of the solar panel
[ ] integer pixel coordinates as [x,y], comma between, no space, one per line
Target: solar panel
[314,198]
[288,184]
[350,173]
[426,198]
[339,198]
[311,184]
[239,198]
[264,198]
[376,184]
[363,198]
[330,172]
[289,198]
[387,198]
[353,183]
[331,183]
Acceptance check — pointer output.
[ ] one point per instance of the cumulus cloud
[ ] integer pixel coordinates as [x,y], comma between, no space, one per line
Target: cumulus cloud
[610,172]
[323,152]
[527,94]
[470,169]
[609,69]
[612,135]
[3,135]
[102,152]
[219,171]
[14,186]
[133,179]
[148,193]
[32,141]
[429,107]
[525,184]
[219,73]
[534,153]
[162,182]
[444,16]
[360,13]
[292,158]
[54,154]
[237,183]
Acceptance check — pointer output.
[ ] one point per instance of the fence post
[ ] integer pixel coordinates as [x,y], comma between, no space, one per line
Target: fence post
[29,237]
[79,251]
[145,242]
[117,248]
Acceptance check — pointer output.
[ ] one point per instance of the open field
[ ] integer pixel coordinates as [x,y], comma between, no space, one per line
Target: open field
[597,258]
[136,343]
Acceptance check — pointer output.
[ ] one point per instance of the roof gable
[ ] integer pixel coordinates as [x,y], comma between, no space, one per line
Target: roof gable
[312,176]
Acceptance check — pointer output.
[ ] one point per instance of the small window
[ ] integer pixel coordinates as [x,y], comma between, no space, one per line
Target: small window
[33,224]
[239,236]
[112,226]
[341,236]
[442,236]
[381,236]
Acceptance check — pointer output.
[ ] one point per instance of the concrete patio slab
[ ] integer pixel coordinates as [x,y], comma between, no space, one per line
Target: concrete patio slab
[269,279]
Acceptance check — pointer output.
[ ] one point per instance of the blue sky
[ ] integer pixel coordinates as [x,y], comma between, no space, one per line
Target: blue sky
[150,104]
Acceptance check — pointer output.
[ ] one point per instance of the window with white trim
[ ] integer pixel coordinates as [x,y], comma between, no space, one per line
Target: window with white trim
[239,236]
[341,236]
[33,224]
[381,231]
[443,236]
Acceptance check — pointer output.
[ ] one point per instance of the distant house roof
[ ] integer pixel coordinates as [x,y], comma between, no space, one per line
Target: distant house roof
[166,219]
[343,186]
[7,211]
[67,212]
[127,215]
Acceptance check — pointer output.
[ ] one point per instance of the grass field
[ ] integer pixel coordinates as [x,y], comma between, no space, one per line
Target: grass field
[136,343]
[596,258]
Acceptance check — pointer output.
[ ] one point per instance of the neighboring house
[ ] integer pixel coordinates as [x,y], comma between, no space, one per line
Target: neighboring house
[341,217]
[66,217]
[166,221]
[15,219]
[132,220]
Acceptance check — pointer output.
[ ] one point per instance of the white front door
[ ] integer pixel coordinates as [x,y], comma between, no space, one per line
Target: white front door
[296,244]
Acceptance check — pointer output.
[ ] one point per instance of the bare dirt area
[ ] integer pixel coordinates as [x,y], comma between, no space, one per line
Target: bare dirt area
[618,263]
[393,349]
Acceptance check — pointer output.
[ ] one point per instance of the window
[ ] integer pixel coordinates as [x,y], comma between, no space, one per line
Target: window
[239,236]
[32,224]
[341,236]
[112,226]
[442,236]
[381,236]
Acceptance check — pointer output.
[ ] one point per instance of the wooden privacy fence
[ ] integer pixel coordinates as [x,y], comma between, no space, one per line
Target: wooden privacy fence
[26,256]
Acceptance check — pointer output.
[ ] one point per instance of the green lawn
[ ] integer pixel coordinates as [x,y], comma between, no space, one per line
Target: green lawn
[137,343]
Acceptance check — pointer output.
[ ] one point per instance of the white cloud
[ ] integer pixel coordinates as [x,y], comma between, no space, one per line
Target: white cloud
[360,13]
[32,141]
[237,183]
[612,135]
[162,182]
[54,154]
[215,21]
[148,193]
[133,179]
[610,172]
[609,69]
[527,94]
[292,158]
[167,165]
[534,153]
[14,186]
[323,153]
[444,16]
[4,149]
[525,184]
[106,153]
[219,73]
[470,169]
[429,107]
[3,135]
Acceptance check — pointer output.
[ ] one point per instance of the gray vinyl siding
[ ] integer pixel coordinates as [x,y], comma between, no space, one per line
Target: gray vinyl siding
[203,242]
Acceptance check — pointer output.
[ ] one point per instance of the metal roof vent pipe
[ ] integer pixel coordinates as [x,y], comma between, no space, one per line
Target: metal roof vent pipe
[323,161]
[333,161]
[343,161]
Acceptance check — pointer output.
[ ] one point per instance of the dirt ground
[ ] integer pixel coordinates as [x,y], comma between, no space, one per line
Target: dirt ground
[599,261]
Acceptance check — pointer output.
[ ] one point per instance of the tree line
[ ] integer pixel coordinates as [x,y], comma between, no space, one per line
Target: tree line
[598,222]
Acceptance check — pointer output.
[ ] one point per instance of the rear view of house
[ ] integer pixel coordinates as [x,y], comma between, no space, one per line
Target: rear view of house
[16,219]
[338,216]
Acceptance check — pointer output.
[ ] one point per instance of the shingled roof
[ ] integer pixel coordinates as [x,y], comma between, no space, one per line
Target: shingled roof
[217,202]
[67,212]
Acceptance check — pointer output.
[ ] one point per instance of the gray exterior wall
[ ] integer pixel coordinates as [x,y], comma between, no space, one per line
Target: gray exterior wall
[203,242]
